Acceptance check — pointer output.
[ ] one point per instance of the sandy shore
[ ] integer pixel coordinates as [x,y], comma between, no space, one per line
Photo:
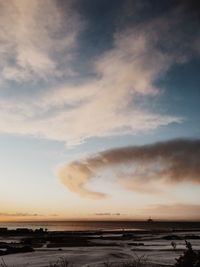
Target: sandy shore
[95,249]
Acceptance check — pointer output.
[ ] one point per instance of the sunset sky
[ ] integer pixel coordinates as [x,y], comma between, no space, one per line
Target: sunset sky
[100,109]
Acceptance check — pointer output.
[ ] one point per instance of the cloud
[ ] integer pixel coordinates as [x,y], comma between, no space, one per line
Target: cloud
[25,214]
[29,33]
[175,211]
[138,168]
[81,172]
[18,214]
[190,7]
[38,46]
[104,105]
[107,214]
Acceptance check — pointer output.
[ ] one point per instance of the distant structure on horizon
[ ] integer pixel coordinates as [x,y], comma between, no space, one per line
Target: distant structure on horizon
[149,220]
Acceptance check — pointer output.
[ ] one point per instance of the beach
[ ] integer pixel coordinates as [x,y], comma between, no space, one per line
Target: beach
[153,247]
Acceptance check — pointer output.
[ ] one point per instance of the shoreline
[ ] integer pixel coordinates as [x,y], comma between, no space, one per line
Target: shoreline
[92,248]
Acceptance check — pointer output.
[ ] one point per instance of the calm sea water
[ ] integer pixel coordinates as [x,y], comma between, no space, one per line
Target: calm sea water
[102,225]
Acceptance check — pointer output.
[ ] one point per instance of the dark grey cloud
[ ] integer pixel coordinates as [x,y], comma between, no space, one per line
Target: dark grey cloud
[190,7]
[137,168]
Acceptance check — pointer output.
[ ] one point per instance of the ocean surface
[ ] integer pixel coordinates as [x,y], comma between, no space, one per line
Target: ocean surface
[103,225]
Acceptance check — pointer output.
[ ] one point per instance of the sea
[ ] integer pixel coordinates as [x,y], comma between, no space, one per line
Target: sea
[104,225]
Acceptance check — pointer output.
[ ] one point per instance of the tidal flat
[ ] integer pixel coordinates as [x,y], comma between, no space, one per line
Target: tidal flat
[42,248]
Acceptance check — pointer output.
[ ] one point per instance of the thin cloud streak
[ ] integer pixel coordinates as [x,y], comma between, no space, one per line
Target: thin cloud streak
[19,214]
[142,168]
[175,211]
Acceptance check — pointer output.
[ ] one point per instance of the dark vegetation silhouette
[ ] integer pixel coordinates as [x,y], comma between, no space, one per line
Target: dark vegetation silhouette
[136,261]
[61,262]
[190,258]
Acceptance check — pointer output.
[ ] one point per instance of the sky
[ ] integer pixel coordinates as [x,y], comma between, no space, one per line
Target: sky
[99,109]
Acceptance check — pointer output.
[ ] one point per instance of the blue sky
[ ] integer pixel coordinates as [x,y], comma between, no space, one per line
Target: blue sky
[81,77]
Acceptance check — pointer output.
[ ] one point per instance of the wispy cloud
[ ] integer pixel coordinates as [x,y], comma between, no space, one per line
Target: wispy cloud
[175,211]
[104,105]
[107,214]
[32,40]
[38,44]
[138,168]
[82,174]
[25,214]
[18,214]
